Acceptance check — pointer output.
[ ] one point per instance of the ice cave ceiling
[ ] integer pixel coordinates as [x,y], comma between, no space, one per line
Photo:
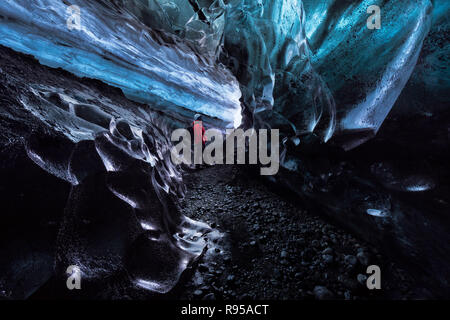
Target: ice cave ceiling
[310,68]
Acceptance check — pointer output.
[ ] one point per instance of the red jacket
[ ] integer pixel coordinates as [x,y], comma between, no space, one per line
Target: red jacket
[199,132]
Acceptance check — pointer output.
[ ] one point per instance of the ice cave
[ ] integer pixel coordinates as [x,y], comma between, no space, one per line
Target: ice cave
[90,92]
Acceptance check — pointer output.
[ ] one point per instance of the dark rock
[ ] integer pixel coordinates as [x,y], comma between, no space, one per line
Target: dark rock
[322,293]
[350,261]
[362,279]
[363,258]
[308,254]
[230,279]
[209,297]
[198,293]
[327,259]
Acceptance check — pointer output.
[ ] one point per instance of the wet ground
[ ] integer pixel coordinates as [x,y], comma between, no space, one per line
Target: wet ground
[268,246]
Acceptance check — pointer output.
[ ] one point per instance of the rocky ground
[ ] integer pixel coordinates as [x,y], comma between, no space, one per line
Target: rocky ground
[273,248]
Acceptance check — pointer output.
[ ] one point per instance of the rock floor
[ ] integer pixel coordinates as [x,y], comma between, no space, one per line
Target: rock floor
[268,247]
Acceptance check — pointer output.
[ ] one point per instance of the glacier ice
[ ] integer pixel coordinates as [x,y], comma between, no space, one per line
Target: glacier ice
[110,188]
[365,69]
[300,66]
[266,47]
[310,68]
[116,48]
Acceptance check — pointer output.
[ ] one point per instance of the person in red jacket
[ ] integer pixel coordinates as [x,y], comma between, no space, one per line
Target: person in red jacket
[199,130]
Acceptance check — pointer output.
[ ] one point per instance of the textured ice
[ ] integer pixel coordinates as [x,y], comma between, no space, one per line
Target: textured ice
[113,46]
[121,215]
[281,87]
[302,66]
[366,69]
[140,180]
[310,68]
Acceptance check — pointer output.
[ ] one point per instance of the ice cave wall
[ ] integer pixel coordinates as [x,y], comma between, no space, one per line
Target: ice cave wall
[87,181]
[115,47]
[311,68]
[302,66]
[366,69]
[305,66]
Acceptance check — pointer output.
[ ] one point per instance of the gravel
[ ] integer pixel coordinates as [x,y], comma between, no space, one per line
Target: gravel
[273,247]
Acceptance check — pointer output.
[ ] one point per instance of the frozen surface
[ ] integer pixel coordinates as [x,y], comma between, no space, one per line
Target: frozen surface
[115,47]
[95,184]
[366,69]
[301,66]
[310,68]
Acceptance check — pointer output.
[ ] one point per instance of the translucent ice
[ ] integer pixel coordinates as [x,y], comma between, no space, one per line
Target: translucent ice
[115,47]
[366,69]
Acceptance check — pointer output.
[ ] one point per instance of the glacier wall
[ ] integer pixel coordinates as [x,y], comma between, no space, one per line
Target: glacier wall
[310,68]
[301,66]
[366,69]
[87,181]
[113,46]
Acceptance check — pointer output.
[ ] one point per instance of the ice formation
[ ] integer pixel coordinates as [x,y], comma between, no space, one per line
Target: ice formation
[310,68]
[115,47]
